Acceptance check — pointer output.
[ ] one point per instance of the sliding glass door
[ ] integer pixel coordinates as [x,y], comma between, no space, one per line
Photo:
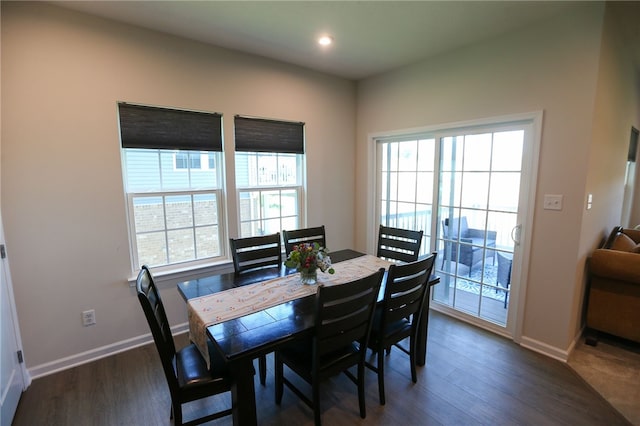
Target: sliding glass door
[477,214]
[463,189]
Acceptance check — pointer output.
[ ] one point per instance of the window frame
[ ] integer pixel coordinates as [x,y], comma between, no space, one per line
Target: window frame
[191,264]
[221,214]
[299,188]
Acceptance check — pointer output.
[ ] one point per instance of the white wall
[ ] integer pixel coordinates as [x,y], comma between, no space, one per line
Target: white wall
[62,194]
[551,66]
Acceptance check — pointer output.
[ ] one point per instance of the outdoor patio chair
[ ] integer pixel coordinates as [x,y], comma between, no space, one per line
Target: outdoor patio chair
[465,245]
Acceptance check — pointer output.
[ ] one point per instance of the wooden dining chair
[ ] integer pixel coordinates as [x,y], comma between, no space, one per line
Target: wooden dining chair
[186,371]
[399,314]
[253,253]
[306,235]
[397,244]
[256,252]
[342,325]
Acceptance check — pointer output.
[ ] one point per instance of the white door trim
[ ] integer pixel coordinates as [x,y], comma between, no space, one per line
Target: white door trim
[17,380]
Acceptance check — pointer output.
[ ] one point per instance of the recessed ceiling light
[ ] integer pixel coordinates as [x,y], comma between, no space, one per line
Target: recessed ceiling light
[325,40]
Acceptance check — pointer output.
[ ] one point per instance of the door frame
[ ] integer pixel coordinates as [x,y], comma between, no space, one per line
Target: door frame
[22,378]
[529,179]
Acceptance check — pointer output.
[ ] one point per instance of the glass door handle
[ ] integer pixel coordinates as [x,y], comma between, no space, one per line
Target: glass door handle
[515,234]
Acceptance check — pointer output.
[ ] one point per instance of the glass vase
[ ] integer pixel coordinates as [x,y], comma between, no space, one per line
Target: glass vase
[309,277]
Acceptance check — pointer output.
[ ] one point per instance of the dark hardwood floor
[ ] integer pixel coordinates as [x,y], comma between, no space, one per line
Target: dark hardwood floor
[472,377]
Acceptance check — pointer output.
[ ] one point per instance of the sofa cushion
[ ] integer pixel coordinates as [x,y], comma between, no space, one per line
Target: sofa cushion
[624,243]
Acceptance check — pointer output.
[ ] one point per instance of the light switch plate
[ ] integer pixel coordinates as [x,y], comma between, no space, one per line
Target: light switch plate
[552,202]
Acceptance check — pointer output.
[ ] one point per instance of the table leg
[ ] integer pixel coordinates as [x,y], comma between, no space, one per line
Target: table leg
[243,393]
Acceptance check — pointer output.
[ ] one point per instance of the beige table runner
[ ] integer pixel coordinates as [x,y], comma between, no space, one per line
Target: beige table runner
[236,302]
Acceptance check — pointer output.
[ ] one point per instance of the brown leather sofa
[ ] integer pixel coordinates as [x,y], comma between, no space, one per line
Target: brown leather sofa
[614,290]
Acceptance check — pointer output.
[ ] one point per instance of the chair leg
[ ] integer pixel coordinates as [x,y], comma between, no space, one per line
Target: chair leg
[361,400]
[262,369]
[279,383]
[412,358]
[316,401]
[176,410]
[381,376]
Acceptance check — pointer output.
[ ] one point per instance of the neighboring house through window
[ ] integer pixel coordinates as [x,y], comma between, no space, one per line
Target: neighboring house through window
[173,187]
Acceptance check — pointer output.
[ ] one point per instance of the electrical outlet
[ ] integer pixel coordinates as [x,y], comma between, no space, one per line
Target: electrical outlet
[88,317]
[552,202]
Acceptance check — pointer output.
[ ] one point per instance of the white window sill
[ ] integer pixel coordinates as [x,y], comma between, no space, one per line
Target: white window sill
[172,277]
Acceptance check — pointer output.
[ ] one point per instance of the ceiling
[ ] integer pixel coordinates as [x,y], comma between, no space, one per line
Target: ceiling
[370,37]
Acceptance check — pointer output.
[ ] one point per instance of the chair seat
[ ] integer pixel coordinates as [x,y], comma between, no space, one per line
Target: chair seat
[192,370]
[393,330]
[299,357]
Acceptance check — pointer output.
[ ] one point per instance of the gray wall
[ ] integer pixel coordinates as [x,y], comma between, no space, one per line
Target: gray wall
[62,195]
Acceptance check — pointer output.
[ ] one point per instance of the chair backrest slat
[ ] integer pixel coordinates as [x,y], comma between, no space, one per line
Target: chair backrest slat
[405,289]
[307,235]
[256,252]
[344,312]
[399,244]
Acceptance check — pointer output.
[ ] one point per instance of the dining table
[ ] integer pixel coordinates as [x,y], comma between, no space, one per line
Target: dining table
[257,322]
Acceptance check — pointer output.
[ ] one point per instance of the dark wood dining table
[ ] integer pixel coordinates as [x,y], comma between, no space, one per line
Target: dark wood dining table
[243,339]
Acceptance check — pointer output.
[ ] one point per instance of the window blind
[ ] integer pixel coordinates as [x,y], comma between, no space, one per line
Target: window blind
[165,128]
[263,135]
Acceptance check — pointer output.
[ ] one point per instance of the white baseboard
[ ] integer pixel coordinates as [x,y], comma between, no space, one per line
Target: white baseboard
[544,349]
[525,342]
[125,345]
[95,354]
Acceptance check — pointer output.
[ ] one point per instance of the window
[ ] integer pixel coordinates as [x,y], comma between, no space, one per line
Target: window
[173,189]
[406,177]
[196,160]
[269,175]
[185,161]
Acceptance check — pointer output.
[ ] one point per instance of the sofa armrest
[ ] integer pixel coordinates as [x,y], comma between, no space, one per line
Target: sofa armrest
[617,265]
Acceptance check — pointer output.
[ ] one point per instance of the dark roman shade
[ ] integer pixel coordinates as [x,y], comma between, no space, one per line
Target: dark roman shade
[262,135]
[165,128]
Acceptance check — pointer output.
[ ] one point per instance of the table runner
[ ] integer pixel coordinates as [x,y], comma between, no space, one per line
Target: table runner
[236,302]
